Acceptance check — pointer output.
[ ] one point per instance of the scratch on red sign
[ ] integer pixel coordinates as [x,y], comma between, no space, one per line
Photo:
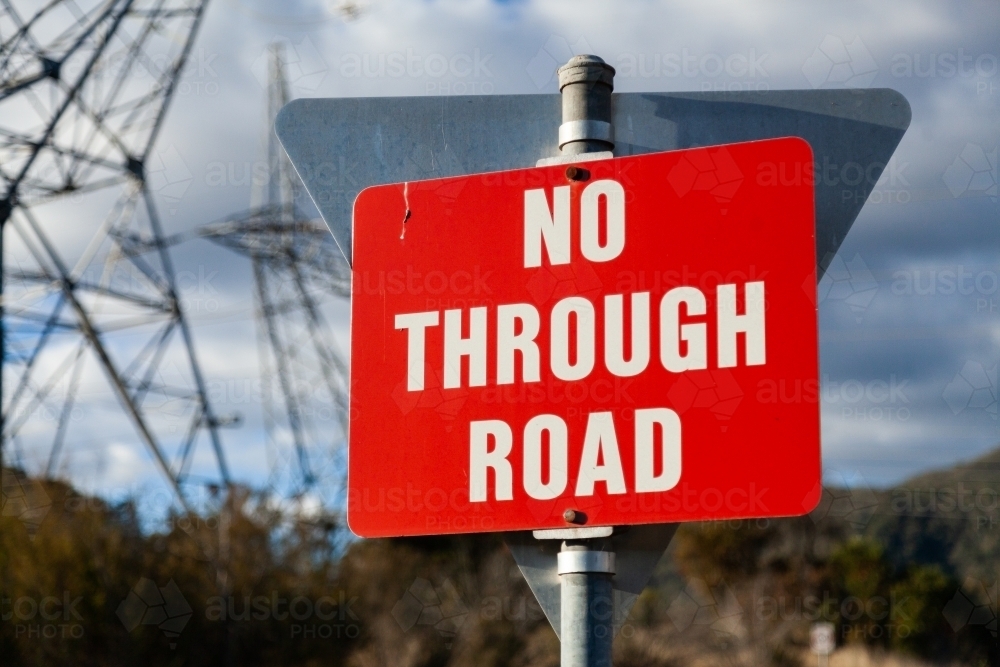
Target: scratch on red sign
[406,215]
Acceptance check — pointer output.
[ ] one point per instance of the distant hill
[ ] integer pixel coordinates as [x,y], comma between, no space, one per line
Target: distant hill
[948,517]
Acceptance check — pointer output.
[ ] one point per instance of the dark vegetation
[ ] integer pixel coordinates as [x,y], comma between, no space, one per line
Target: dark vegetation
[83,584]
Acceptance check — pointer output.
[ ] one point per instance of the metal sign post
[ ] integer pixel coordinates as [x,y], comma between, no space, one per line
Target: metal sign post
[587,605]
[586,596]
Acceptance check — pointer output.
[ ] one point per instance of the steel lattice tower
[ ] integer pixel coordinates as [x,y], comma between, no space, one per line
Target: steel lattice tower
[297,271]
[84,86]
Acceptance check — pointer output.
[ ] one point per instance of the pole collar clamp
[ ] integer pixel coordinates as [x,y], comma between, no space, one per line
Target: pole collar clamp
[586,561]
[586,130]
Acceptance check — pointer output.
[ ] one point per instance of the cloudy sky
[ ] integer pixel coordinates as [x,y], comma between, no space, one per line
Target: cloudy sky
[909,333]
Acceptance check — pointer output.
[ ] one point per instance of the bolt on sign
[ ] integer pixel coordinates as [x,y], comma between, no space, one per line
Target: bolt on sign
[585,341]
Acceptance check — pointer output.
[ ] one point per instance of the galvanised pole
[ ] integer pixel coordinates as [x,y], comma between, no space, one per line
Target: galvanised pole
[587,610]
[586,601]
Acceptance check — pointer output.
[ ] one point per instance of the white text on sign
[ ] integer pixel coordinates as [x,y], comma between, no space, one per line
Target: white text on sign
[572,354]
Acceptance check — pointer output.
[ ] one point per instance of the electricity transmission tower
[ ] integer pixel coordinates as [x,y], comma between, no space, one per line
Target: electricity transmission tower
[298,272]
[84,86]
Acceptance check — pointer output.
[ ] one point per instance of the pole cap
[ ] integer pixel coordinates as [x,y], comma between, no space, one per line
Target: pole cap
[586,69]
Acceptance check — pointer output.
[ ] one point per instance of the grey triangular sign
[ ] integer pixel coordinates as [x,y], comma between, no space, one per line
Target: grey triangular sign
[341,146]
[637,549]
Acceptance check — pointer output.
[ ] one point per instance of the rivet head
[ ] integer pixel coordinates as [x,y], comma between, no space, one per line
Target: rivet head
[570,516]
[577,173]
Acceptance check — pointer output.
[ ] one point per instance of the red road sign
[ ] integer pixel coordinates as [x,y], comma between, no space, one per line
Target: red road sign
[637,343]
